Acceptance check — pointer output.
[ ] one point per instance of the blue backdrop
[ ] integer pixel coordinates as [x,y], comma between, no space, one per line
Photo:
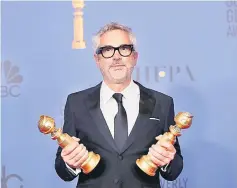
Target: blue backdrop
[194,43]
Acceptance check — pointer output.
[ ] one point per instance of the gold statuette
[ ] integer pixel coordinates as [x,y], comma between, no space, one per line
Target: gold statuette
[46,125]
[183,120]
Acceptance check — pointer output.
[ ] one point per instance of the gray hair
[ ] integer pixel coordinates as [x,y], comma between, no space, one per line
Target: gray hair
[110,27]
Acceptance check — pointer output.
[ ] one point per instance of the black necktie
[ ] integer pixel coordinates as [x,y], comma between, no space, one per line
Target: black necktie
[120,123]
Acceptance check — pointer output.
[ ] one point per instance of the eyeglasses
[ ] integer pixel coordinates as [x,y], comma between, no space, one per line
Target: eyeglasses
[124,50]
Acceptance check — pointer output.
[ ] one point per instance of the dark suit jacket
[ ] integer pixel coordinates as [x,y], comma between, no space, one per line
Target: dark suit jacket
[84,119]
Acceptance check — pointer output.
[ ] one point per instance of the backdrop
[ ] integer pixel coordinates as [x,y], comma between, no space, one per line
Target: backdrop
[186,49]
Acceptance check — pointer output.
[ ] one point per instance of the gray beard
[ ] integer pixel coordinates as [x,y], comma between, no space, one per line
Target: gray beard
[112,80]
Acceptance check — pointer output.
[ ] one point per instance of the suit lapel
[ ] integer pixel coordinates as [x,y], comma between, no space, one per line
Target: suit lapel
[93,104]
[146,108]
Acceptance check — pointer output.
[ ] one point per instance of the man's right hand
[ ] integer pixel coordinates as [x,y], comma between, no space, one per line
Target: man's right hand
[74,154]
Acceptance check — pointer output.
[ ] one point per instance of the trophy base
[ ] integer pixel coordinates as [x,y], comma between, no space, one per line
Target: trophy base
[146,165]
[78,45]
[91,162]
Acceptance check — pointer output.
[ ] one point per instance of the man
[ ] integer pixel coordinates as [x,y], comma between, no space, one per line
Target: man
[119,119]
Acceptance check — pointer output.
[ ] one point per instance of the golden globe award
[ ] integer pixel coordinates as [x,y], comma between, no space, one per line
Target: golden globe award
[46,125]
[183,120]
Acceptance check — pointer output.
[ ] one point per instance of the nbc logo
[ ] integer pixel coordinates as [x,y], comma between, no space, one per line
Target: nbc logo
[11,80]
[5,178]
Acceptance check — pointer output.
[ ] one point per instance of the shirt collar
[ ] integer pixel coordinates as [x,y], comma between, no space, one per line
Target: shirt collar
[130,91]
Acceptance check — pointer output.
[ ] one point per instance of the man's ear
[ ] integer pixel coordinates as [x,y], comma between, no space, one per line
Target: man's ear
[135,57]
[97,59]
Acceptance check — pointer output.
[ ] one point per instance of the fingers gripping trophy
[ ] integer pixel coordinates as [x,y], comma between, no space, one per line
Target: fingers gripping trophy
[46,125]
[183,120]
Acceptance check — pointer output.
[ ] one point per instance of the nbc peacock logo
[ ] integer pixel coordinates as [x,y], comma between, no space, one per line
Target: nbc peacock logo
[6,178]
[11,80]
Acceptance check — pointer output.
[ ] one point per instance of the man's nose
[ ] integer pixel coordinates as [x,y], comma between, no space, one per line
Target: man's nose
[116,55]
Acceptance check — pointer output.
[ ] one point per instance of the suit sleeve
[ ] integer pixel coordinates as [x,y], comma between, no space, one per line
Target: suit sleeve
[61,169]
[175,167]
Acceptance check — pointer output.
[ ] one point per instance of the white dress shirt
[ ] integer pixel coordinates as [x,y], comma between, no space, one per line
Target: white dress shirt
[109,107]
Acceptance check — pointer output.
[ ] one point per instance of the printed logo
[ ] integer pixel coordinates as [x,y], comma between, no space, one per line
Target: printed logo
[231,18]
[166,73]
[11,80]
[6,178]
[178,183]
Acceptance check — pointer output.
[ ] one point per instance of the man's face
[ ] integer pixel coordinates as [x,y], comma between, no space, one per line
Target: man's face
[116,65]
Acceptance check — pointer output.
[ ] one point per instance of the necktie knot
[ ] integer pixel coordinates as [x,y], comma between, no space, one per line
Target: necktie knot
[118,97]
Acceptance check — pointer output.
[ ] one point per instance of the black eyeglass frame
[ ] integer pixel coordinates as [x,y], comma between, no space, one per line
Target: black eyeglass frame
[100,49]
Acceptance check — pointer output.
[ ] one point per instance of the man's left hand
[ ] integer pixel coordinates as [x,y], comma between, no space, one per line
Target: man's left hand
[162,152]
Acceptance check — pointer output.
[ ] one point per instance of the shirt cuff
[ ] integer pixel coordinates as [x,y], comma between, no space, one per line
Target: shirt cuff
[74,171]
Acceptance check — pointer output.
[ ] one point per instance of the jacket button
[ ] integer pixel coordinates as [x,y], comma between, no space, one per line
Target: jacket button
[120,157]
[116,181]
